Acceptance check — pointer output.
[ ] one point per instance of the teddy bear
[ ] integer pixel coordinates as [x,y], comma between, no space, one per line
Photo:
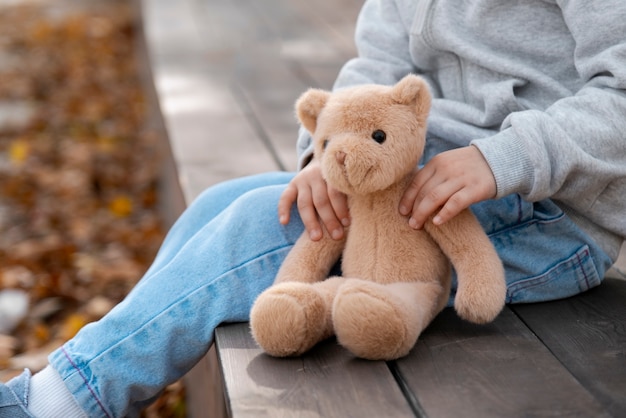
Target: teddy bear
[368,140]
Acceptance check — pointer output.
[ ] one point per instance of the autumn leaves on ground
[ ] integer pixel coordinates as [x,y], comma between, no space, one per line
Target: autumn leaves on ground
[79,168]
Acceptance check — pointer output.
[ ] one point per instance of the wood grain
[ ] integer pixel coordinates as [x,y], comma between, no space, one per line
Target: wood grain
[587,333]
[326,382]
[496,370]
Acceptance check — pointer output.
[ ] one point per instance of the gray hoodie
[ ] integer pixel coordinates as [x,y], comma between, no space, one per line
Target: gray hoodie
[539,86]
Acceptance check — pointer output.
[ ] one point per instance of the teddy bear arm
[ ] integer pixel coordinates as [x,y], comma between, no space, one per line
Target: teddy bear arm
[481,289]
[310,261]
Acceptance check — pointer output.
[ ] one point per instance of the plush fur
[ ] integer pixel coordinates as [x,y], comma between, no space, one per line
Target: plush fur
[395,279]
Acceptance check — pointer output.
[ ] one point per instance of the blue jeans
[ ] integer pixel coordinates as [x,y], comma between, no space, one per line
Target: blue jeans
[227,247]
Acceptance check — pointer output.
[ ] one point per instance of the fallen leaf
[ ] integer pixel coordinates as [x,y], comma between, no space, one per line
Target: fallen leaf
[18,151]
[121,206]
[72,325]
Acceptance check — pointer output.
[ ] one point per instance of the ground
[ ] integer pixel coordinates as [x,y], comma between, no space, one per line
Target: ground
[79,176]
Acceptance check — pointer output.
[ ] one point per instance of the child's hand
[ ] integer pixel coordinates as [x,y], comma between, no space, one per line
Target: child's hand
[452,181]
[316,202]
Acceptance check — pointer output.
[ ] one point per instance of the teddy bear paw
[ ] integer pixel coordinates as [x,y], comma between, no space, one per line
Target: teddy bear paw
[288,319]
[370,323]
[480,304]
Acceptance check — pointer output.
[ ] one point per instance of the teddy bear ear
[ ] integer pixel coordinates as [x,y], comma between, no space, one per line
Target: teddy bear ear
[309,106]
[412,90]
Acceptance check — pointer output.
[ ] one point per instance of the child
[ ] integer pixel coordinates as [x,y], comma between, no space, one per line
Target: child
[527,126]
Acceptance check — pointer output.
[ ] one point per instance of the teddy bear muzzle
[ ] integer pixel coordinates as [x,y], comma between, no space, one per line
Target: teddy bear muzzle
[340,156]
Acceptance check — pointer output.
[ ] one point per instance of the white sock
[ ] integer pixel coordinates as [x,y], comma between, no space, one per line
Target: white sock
[49,397]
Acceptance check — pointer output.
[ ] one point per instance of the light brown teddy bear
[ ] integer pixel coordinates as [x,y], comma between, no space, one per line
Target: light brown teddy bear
[368,140]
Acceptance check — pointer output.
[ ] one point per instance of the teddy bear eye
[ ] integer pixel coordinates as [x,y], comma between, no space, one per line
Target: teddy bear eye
[379,136]
[325,144]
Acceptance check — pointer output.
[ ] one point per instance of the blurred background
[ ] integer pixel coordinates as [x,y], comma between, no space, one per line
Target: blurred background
[79,175]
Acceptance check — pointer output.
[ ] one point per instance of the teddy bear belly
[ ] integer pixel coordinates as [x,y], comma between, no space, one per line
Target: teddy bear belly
[387,255]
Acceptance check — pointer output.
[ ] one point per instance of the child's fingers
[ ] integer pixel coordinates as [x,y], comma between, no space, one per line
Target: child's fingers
[308,214]
[452,197]
[339,201]
[454,205]
[326,212]
[410,194]
[306,208]
[449,183]
[287,199]
[431,197]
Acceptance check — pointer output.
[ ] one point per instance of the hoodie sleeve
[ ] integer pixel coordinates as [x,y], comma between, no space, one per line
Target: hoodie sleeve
[382,41]
[575,150]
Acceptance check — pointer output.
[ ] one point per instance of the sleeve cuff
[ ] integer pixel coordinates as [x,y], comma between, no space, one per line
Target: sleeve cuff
[509,162]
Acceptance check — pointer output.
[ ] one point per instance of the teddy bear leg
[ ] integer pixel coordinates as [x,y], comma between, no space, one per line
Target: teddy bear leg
[481,289]
[383,321]
[291,317]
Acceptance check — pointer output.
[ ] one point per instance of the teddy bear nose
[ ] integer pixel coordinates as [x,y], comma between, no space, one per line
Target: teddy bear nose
[341,157]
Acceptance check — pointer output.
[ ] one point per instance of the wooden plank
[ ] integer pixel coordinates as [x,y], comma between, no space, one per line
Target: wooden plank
[227,25]
[207,128]
[204,390]
[326,382]
[232,69]
[293,24]
[335,18]
[495,370]
[271,110]
[211,137]
[269,75]
[587,333]
[319,75]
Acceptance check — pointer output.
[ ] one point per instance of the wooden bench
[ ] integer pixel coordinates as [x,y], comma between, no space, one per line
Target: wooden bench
[564,358]
[226,74]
